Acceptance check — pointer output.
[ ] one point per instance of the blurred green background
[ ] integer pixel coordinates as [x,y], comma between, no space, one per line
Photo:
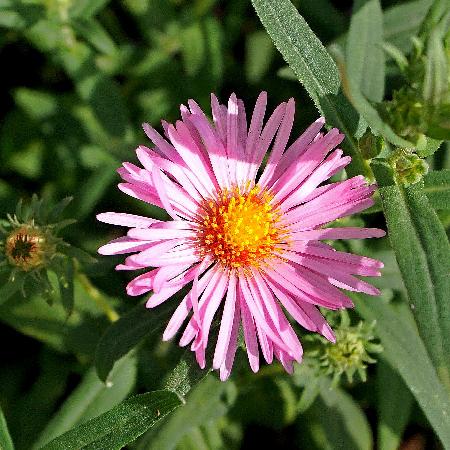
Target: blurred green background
[78,79]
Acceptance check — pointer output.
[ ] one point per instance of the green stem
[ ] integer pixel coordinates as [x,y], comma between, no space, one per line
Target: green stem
[98,297]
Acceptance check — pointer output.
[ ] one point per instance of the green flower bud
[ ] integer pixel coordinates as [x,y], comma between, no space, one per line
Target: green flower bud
[350,354]
[33,253]
[408,167]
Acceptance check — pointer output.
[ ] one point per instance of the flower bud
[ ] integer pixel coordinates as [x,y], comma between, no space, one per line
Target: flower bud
[352,351]
[28,248]
[408,167]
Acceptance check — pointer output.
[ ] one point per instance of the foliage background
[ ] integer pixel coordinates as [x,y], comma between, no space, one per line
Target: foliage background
[78,79]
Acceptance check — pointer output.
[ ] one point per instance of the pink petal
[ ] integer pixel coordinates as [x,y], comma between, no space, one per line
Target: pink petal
[228,317]
[225,368]
[185,306]
[141,284]
[126,220]
[280,144]
[265,140]
[248,326]
[297,148]
[123,245]
[338,233]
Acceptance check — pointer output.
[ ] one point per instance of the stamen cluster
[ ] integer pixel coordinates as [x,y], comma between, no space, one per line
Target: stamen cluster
[240,230]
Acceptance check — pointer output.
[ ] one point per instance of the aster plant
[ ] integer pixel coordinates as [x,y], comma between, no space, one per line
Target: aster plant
[249,242]
[282,257]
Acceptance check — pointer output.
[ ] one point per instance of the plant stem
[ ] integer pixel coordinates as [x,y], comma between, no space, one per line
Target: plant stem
[98,297]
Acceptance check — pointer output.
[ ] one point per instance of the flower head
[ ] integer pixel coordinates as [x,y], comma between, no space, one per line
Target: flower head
[246,237]
[31,250]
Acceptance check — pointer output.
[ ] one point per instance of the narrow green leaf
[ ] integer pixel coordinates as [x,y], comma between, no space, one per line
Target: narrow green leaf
[119,426]
[86,8]
[6,442]
[9,289]
[427,146]
[396,54]
[422,249]
[34,317]
[437,188]
[90,399]
[203,404]
[124,334]
[394,406]
[193,48]
[435,83]
[185,375]
[259,53]
[94,188]
[337,421]
[300,47]
[405,352]
[66,286]
[364,52]
[314,68]
[96,35]
[214,35]
[38,105]
[402,22]
[310,392]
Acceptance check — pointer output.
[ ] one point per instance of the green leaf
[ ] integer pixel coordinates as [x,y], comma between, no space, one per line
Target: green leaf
[405,352]
[421,248]
[337,421]
[437,188]
[19,15]
[309,394]
[85,9]
[34,317]
[6,442]
[36,405]
[90,399]
[259,53]
[38,105]
[396,54]
[214,45]
[204,404]
[300,47]
[193,48]
[427,146]
[9,289]
[394,407]
[66,286]
[124,334]
[96,35]
[364,52]
[402,22]
[186,374]
[119,426]
[435,83]
[314,68]
[95,186]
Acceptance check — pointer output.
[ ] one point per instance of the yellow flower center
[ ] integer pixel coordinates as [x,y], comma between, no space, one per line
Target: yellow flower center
[240,229]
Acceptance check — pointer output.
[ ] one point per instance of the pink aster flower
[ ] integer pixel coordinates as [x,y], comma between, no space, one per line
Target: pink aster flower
[245,236]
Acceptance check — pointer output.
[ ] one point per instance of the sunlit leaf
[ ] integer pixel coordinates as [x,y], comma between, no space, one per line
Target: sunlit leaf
[437,188]
[90,399]
[394,407]
[120,425]
[5,439]
[364,53]
[421,247]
